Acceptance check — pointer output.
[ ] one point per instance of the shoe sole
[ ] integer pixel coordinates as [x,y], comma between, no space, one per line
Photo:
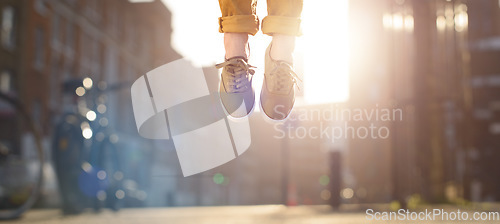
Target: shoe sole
[271,120]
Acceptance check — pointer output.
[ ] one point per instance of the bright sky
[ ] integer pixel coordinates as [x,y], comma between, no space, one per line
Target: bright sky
[324,44]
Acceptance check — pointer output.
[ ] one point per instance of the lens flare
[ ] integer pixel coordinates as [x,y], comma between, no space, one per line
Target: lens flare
[80,91]
[87,83]
[91,115]
[326,51]
[326,194]
[101,175]
[87,133]
[120,194]
[347,193]
[218,178]
[324,180]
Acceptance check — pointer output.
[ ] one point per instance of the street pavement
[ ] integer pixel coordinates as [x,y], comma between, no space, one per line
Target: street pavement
[262,214]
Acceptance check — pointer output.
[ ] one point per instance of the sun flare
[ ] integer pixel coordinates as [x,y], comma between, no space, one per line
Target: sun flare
[324,45]
[326,51]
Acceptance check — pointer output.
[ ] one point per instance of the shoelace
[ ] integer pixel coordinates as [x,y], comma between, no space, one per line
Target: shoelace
[284,72]
[238,78]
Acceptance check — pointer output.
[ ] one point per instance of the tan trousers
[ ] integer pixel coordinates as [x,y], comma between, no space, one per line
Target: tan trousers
[238,16]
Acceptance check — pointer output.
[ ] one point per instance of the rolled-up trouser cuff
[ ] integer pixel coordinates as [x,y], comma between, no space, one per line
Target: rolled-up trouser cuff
[281,25]
[239,24]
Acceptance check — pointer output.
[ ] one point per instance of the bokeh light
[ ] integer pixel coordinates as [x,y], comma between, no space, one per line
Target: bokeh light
[324,180]
[441,23]
[88,83]
[326,194]
[80,91]
[347,193]
[101,195]
[397,21]
[101,108]
[91,115]
[409,23]
[218,178]
[113,138]
[103,122]
[461,18]
[120,194]
[86,167]
[101,175]
[118,175]
[87,133]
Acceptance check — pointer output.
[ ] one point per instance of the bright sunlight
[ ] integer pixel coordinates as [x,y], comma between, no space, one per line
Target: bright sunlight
[326,51]
[324,45]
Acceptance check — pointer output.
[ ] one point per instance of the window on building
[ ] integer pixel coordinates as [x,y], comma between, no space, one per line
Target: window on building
[56,23]
[84,43]
[37,113]
[5,82]
[91,4]
[41,7]
[71,2]
[144,49]
[8,32]
[95,57]
[54,83]
[132,34]
[92,10]
[39,48]
[70,35]
[66,72]
[113,20]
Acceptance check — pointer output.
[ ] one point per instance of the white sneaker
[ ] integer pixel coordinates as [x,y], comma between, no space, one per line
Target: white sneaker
[278,95]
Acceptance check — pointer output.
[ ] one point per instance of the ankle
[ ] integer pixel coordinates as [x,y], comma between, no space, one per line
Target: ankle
[282,48]
[236,45]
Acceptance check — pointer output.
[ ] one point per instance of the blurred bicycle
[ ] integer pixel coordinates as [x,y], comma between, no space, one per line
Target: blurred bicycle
[21,158]
[85,155]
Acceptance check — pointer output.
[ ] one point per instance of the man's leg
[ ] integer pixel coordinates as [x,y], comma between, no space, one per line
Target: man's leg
[237,22]
[283,17]
[236,44]
[283,24]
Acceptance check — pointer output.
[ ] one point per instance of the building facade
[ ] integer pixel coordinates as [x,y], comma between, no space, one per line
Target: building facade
[47,42]
[437,60]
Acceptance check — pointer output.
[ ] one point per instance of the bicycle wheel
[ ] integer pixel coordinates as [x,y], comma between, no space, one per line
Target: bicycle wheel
[21,159]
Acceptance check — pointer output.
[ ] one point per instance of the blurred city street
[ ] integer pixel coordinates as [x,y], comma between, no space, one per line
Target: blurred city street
[265,214]
[224,214]
[115,106]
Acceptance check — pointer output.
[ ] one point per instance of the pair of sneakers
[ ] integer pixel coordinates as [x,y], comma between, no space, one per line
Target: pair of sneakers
[277,96]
